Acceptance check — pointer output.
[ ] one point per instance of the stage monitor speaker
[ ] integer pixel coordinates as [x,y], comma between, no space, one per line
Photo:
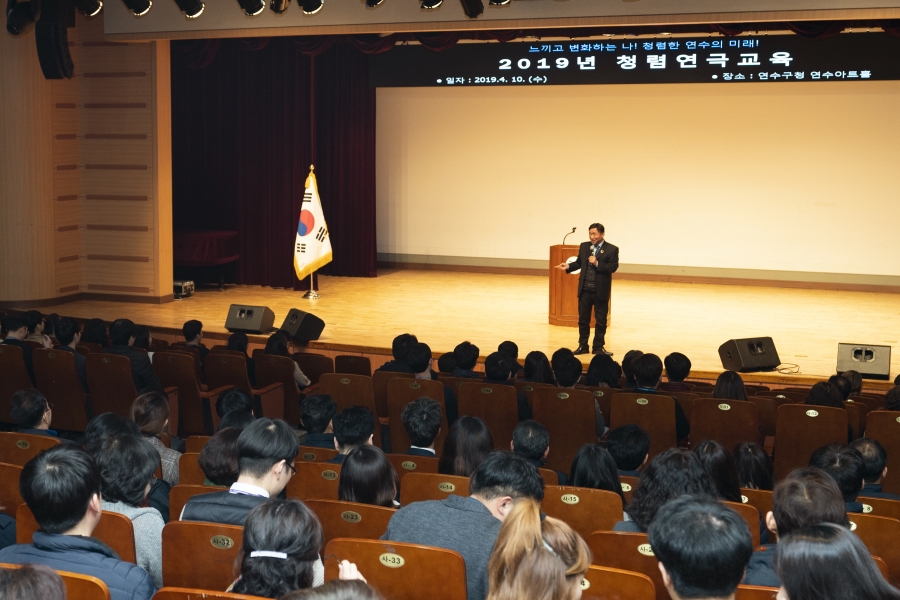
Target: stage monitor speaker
[869,360]
[749,354]
[249,319]
[303,326]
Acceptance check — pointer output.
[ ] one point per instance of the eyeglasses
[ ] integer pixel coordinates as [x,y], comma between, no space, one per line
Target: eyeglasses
[49,407]
[291,467]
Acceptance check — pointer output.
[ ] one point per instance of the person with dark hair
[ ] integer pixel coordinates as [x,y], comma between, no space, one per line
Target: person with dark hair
[399,349]
[629,446]
[824,394]
[422,421]
[537,368]
[754,467]
[150,412]
[447,363]
[647,373]
[842,384]
[702,547]
[31,412]
[193,336]
[368,477]
[511,349]
[16,330]
[316,414]
[827,562]
[627,370]
[233,399]
[470,525]
[50,323]
[892,398]
[673,473]
[266,453]
[717,461]
[127,465]
[122,333]
[466,357]
[29,582]
[277,345]
[36,323]
[353,427]
[467,444]
[418,357]
[143,339]
[239,419]
[219,458]
[603,372]
[593,467]
[61,486]
[805,497]
[238,342]
[678,368]
[566,368]
[875,460]
[597,261]
[498,370]
[68,334]
[847,467]
[855,380]
[531,441]
[729,386]
[105,426]
[95,333]
[337,589]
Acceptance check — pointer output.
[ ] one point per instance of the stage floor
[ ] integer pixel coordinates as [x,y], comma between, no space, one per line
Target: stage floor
[445,308]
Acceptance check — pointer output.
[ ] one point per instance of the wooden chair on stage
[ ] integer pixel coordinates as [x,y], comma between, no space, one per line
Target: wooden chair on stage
[401,571]
[176,369]
[801,429]
[728,422]
[212,545]
[316,454]
[189,470]
[314,480]
[180,593]
[569,416]
[271,369]
[349,364]
[884,426]
[313,365]
[755,592]
[350,519]
[13,377]
[750,514]
[409,463]
[629,552]
[495,404]
[18,448]
[759,499]
[352,390]
[880,535]
[607,583]
[629,484]
[418,487]
[585,510]
[401,392]
[57,379]
[528,387]
[195,443]
[78,587]
[653,413]
[223,370]
[113,529]
[10,499]
[181,493]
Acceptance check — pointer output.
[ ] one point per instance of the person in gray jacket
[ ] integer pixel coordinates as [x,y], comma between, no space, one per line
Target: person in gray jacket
[470,525]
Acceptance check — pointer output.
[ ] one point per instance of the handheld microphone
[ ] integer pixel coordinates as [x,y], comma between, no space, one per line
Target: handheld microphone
[567,235]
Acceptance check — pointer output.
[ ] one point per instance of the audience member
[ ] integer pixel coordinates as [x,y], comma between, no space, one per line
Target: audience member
[316,413]
[729,386]
[127,465]
[536,557]
[875,460]
[422,422]
[368,477]
[717,461]
[531,441]
[470,525]
[629,445]
[603,372]
[30,582]
[238,342]
[702,547]
[150,412]
[277,345]
[121,334]
[399,349]
[593,467]
[467,444]
[61,486]
[466,357]
[219,458]
[567,369]
[338,589]
[7,530]
[143,339]
[233,399]
[95,333]
[537,368]
[892,398]
[754,467]
[193,336]
[31,412]
[50,323]
[671,474]
[847,467]
[266,453]
[842,384]
[239,419]
[419,359]
[855,380]
[447,363]
[498,369]
[511,349]
[353,427]
[16,330]
[35,321]
[627,369]
[647,373]
[824,394]
[678,368]
[68,334]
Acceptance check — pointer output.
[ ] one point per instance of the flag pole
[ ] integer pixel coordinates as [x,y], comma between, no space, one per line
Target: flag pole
[312,293]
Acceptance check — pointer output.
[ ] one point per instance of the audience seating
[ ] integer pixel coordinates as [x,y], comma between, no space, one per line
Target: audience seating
[801,429]
[401,571]
[10,499]
[417,487]
[884,426]
[629,484]
[495,404]
[871,402]
[223,370]
[880,535]
[195,443]
[194,352]
[90,347]
[881,507]
[57,379]
[111,384]
[352,390]
[113,529]
[19,448]
[570,418]
[750,514]
[401,392]
[603,396]
[686,400]
[176,369]
[353,365]
[314,454]
[13,377]
[629,552]
[759,499]
[380,380]
[271,369]
[786,396]
[351,519]
[768,413]
[863,409]
[755,592]
[454,382]
[728,422]
[549,476]
[653,413]
[314,480]
[200,555]
[585,510]
[853,418]
[882,567]
[181,493]
[189,470]
[78,587]
[178,593]
[528,387]
[607,583]
[313,365]
[409,463]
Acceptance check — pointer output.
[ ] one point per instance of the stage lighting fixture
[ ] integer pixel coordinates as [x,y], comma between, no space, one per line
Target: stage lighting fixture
[252,7]
[19,18]
[138,7]
[191,8]
[311,7]
[499,2]
[279,6]
[89,8]
[429,4]
[472,8]
[373,3]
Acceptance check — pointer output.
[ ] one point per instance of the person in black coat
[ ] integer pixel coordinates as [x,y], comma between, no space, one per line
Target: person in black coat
[122,334]
[597,260]
[16,330]
[68,334]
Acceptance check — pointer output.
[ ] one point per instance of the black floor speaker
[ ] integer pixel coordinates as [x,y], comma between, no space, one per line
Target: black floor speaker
[303,326]
[749,354]
[869,360]
[249,319]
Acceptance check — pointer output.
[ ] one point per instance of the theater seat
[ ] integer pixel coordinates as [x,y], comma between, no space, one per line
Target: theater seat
[181,493]
[189,470]
[729,422]
[401,392]
[313,365]
[195,443]
[418,487]
[314,480]
[801,429]
[495,404]
[180,593]
[352,390]
[113,529]
[200,555]
[606,583]
[10,499]
[629,552]
[570,419]
[585,510]
[653,413]
[350,519]
[409,463]
[19,448]
[353,365]
[755,592]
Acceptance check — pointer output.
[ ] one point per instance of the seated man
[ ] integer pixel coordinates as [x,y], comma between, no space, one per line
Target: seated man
[466,356]
[875,460]
[470,525]
[498,369]
[353,427]
[32,413]
[68,334]
[531,441]
[842,384]
[567,370]
[511,349]
[847,467]
[193,336]
[232,400]
[648,373]
[121,335]
[678,367]
[266,453]
[418,357]
[36,324]
[16,330]
[806,497]
[61,486]
[422,421]
[629,445]
[316,413]
[702,548]
[447,363]
[399,347]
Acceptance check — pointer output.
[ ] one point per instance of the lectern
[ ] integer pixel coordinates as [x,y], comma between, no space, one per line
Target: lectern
[564,289]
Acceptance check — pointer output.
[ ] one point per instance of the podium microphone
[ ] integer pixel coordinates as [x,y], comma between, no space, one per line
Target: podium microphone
[567,235]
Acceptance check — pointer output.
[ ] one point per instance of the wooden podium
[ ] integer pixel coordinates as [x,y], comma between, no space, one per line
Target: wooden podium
[564,290]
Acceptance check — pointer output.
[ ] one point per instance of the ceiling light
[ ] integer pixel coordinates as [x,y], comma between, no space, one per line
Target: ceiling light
[373,3]
[89,8]
[191,8]
[499,2]
[138,7]
[429,4]
[279,6]
[472,8]
[18,17]
[311,7]
[252,7]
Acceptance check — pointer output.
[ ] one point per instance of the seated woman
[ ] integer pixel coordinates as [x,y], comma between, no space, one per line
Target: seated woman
[219,458]
[603,372]
[467,443]
[729,386]
[754,467]
[538,369]
[368,477]
[150,412]
[95,333]
[239,342]
[717,461]
[277,346]
[594,467]
[127,465]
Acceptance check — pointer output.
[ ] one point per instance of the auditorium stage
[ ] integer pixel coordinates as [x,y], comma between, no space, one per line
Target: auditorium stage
[445,308]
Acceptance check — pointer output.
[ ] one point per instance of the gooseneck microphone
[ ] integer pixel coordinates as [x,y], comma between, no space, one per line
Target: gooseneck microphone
[567,235]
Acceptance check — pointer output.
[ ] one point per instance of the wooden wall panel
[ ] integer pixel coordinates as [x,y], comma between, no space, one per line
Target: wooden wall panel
[162,163]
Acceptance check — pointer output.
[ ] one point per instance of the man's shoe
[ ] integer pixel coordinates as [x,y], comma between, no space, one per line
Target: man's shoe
[581,349]
[602,350]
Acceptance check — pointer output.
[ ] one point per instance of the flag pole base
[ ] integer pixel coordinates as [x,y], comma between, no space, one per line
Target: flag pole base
[312,295]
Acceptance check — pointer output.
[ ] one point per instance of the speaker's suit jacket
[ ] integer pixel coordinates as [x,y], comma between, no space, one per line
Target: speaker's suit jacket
[607,264]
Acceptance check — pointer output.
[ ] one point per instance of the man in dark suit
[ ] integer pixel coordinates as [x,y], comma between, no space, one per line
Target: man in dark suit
[875,458]
[121,334]
[422,421]
[68,334]
[16,329]
[598,260]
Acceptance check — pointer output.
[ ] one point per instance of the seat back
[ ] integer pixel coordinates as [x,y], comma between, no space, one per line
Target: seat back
[884,426]
[380,381]
[352,390]
[755,592]
[801,429]
[56,377]
[418,487]
[401,392]
[728,422]
[112,387]
[629,552]
[353,365]
[316,454]
[629,484]
[880,535]
[313,365]
[584,509]
[13,378]
[569,417]
[227,369]
[113,529]
[863,409]
[607,583]
[759,499]
[603,396]
[195,443]
[401,571]
[194,353]
[881,507]
[279,369]
[653,413]
[314,480]
[84,587]
[176,369]
[212,545]
[496,405]
[350,519]
[189,470]
[750,514]
[179,593]
[528,387]
[19,448]
[853,417]
[181,493]
[10,499]
[408,463]
[768,413]
[686,400]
